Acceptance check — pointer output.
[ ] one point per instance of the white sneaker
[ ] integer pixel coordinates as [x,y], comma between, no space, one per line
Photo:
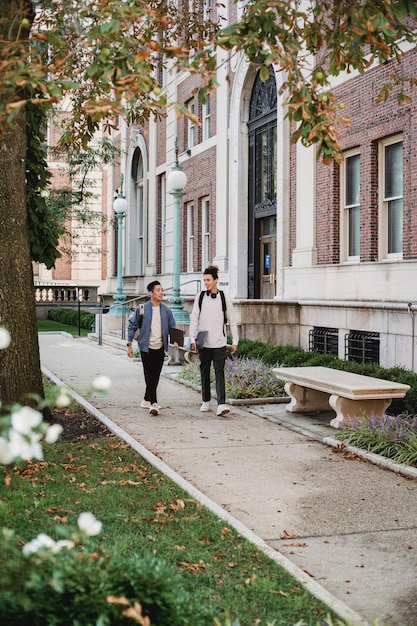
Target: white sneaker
[145,404]
[222,409]
[154,410]
[205,407]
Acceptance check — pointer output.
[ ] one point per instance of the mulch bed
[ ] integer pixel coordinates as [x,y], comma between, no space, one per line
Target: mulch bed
[78,426]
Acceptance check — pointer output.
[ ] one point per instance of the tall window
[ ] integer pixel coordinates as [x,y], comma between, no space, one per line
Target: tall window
[205,231]
[163,222]
[141,214]
[135,250]
[190,237]
[351,206]
[393,197]
[206,119]
[191,126]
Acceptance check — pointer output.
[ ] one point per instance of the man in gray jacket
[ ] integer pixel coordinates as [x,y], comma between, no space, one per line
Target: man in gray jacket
[154,320]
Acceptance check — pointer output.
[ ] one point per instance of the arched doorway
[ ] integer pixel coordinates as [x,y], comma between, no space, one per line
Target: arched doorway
[262,188]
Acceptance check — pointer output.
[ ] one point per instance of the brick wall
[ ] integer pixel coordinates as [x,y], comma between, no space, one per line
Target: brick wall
[371,123]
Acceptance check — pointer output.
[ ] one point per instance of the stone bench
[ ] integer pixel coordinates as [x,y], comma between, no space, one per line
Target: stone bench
[181,356]
[350,395]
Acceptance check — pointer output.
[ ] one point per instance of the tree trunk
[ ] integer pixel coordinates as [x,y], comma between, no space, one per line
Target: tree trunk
[20,372]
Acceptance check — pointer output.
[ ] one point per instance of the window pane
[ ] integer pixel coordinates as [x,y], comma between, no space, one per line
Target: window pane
[352,180]
[395,226]
[354,232]
[352,204]
[262,166]
[267,259]
[191,127]
[274,163]
[394,170]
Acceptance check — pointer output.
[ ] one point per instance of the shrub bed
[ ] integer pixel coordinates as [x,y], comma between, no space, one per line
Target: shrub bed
[244,378]
[289,356]
[394,437]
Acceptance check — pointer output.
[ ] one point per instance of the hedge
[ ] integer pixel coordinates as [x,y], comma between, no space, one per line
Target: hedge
[70,317]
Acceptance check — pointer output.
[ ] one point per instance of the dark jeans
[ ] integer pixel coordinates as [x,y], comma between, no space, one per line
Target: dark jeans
[217,356]
[152,362]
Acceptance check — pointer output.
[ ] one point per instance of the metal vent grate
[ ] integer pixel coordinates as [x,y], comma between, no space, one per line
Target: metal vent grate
[362,347]
[324,340]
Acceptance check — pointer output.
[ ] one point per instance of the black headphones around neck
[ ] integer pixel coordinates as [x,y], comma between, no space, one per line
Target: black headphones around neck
[213,295]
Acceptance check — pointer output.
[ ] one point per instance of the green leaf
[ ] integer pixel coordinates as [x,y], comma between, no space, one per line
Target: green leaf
[263,73]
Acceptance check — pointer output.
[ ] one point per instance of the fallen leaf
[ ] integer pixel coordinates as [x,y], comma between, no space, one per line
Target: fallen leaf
[118,600]
[179,504]
[194,567]
[280,592]
[253,578]
[289,534]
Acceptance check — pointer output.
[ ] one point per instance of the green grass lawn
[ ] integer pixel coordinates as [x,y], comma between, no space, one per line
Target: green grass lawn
[144,512]
[47,326]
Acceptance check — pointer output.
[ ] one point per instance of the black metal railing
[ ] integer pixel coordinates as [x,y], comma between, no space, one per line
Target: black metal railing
[362,347]
[324,340]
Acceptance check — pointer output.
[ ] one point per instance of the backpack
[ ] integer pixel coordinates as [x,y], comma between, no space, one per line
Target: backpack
[200,301]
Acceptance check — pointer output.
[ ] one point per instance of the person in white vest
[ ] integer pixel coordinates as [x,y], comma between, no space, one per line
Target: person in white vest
[212,309]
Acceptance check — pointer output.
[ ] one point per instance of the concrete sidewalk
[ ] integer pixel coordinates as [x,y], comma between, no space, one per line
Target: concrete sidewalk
[346,528]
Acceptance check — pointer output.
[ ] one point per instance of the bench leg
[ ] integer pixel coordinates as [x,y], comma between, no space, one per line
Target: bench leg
[356,408]
[304,399]
[191,357]
[176,356]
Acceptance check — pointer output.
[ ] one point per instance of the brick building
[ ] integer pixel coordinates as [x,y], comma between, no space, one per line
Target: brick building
[324,257]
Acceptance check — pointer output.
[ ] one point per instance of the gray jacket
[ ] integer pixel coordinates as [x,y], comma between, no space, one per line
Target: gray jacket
[167,322]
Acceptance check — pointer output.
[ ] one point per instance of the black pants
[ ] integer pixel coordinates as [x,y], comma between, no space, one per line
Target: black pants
[152,362]
[217,356]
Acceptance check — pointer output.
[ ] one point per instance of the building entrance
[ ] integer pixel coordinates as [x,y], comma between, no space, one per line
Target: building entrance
[267,260]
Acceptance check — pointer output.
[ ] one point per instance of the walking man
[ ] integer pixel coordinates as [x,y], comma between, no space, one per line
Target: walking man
[154,319]
[211,310]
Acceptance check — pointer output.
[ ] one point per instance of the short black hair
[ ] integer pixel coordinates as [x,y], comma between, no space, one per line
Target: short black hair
[212,270]
[152,285]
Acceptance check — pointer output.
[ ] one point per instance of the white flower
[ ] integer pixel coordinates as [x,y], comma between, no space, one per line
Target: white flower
[89,525]
[40,542]
[24,446]
[102,383]
[44,542]
[4,338]
[25,420]
[62,543]
[63,399]
[53,433]
[6,453]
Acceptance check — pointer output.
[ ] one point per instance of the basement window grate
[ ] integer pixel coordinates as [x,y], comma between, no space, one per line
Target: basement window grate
[324,340]
[362,347]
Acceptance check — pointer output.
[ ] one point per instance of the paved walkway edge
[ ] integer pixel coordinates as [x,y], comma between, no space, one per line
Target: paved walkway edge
[319,592]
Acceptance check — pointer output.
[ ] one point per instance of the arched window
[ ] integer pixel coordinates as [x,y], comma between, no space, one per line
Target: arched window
[136,217]
[262,188]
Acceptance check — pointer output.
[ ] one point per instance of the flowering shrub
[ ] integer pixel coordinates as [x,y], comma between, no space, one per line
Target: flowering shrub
[394,437]
[251,378]
[69,581]
[245,378]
